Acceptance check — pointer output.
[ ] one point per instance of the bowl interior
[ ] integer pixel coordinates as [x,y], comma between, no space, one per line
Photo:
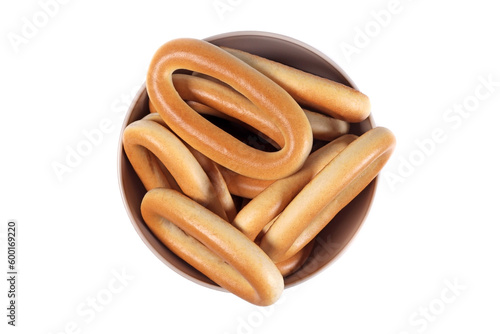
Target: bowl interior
[334,237]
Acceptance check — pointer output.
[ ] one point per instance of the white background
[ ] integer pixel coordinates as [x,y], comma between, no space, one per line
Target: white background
[434,226]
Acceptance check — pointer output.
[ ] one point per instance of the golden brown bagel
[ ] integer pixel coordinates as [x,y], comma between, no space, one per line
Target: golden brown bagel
[210,168]
[143,137]
[327,96]
[327,193]
[212,246]
[275,104]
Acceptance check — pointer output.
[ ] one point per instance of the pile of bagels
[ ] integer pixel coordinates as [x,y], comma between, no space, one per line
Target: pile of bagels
[245,160]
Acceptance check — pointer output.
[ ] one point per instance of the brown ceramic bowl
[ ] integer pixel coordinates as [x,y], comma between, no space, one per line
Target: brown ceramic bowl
[334,238]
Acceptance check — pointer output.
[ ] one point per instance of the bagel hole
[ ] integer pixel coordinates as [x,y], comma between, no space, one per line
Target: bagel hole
[245,134]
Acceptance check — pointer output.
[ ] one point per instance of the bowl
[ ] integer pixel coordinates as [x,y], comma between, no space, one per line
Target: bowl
[334,238]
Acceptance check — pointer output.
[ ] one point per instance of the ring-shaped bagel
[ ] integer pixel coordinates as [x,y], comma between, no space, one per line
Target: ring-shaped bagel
[212,246]
[270,99]
[145,137]
[339,182]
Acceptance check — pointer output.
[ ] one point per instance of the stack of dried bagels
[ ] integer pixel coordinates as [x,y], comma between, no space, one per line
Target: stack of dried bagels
[245,160]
